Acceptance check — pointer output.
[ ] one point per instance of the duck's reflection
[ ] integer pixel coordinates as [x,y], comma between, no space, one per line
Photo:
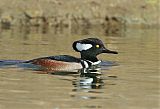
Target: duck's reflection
[89,79]
[86,83]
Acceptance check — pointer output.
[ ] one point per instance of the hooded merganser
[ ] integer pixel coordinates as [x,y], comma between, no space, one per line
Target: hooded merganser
[89,48]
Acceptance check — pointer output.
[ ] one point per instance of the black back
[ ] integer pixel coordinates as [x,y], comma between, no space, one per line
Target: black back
[65,58]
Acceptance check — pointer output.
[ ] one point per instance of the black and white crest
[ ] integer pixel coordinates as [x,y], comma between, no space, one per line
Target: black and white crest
[89,48]
[85,44]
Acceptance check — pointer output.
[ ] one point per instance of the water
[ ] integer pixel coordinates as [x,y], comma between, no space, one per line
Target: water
[132,84]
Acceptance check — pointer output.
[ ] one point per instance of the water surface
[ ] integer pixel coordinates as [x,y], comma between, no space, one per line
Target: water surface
[133,84]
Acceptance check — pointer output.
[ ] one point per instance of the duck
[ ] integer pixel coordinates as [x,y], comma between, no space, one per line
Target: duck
[89,49]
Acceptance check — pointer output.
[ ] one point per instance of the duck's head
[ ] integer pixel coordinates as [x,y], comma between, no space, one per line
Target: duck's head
[91,47]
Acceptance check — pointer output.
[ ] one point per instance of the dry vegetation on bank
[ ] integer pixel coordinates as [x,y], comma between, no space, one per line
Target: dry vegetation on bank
[70,13]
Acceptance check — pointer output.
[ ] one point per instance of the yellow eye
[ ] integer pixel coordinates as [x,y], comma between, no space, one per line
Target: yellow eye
[97,46]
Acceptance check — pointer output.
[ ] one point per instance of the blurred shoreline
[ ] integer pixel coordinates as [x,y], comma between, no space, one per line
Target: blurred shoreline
[109,14]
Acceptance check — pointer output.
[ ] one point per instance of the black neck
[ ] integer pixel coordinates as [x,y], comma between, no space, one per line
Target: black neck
[89,57]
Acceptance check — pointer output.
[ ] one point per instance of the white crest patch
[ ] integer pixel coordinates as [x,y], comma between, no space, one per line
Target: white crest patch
[81,47]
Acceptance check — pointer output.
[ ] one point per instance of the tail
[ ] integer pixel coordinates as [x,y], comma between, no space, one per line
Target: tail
[18,63]
[4,63]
